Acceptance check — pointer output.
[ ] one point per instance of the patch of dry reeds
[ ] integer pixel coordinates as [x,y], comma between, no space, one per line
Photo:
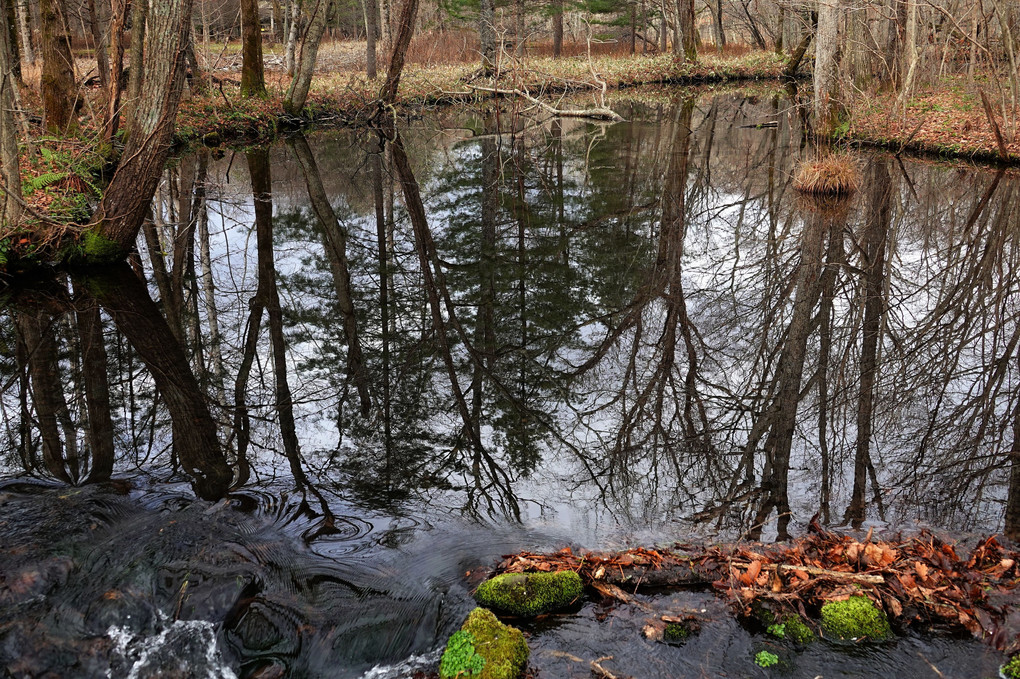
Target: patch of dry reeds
[832,174]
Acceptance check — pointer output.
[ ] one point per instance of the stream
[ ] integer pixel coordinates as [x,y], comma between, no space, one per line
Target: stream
[343,373]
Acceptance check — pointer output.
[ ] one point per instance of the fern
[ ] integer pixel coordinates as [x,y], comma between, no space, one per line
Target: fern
[42,181]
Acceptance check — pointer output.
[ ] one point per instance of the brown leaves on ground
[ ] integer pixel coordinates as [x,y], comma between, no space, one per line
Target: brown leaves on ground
[917,581]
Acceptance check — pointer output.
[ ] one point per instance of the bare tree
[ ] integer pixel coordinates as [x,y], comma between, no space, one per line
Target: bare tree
[253,78]
[58,91]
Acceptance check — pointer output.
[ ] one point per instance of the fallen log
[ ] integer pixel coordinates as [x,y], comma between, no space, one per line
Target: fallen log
[920,581]
[600,113]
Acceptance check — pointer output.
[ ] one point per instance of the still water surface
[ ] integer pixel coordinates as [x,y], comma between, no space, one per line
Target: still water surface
[342,372]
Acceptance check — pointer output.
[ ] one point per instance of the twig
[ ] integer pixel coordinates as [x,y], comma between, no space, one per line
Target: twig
[825,573]
[599,671]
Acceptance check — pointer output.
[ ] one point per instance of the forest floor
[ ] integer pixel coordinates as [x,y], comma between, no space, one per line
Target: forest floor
[946,119]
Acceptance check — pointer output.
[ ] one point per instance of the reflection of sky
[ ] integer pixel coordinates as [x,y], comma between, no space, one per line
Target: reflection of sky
[736,277]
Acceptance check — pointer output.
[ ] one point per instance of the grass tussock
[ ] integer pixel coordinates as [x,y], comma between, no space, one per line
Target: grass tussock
[833,175]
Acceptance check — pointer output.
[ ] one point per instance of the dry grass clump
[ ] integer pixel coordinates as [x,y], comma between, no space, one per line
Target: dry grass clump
[833,174]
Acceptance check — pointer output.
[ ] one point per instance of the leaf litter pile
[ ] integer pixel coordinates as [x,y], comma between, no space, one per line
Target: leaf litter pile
[920,581]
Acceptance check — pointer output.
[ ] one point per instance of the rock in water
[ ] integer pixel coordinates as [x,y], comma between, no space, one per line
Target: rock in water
[484,648]
[530,594]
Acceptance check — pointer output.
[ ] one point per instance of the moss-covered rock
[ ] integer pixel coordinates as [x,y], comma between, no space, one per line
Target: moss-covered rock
[676,633]
[797,630]
[484,648]
[1011,670]
[855,618]
[530,594]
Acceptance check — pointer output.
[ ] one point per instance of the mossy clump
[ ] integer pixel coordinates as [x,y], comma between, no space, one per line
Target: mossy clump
[530,594]
[676,633]
[855,618]
[797,630]
[98,249]
[766,659]
[484,648]
[1011,670]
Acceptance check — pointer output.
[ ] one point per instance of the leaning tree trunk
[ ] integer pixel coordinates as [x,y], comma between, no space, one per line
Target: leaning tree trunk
[57,73]
[10,201]
[688,40]
[118,12]
[253,77]
[297,94]
[405,29]
[127,198]
[826,75]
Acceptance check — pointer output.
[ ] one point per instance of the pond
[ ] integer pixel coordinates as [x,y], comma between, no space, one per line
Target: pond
[344,372]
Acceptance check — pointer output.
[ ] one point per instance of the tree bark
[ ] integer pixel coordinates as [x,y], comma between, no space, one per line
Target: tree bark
[290,58]
[826,69]
[688,44]
[127,198]
[11,17]
[98,17]
[10,201]
[253,77]
[136,61]
[27,51]
[557,20]
[371,33]
[487,34]
[57,74]
[405,29]
[297,94]
[118,11]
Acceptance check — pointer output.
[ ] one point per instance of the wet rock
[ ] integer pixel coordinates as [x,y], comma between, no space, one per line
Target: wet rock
[530,594]
[486,648]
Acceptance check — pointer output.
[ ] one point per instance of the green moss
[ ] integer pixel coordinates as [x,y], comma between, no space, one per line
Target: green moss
[484,648]
[530,594]
[766,659]
[675,633]
[797,631]
[459,658]
[1011,670]
[98,249]
[855,618]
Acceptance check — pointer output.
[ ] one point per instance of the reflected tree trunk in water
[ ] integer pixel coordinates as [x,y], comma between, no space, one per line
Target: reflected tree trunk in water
[37,329]
[268,294]
[873,275]
[384,288]
[97,391]
[1012,530]
[336,252]
[484,338]
[437,293]
[126,299]
[782,412]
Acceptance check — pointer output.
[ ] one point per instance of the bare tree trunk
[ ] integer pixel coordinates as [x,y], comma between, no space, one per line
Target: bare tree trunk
[520,36]
[688,43]
[136,61]
[719,24]
[557,20]
[129,193]
[11,199]
[371,32]
[798,53]
[912,56]
[118,10]
[58,91]
[487,34]
[405,29]
[633,28]
[27,52]
[297,94]
[279,24]
[97,20]
[253,77]
[289,59]
[826,73]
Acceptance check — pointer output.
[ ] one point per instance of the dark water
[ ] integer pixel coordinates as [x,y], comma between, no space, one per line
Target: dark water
[343,372]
